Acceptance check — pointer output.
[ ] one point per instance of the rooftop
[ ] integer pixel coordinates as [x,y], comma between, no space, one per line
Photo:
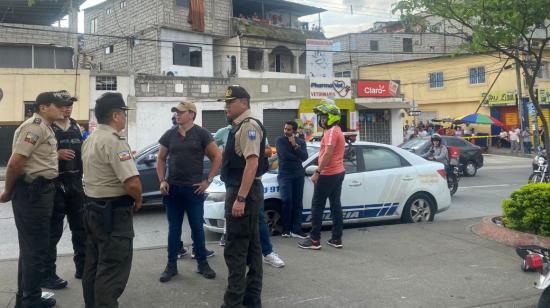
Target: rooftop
[41,12]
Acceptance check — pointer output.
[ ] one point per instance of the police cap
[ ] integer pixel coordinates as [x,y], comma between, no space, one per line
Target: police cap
[108,102]
[59,98]
[234,92]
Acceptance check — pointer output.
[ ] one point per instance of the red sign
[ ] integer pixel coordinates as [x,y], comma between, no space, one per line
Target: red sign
[377,88]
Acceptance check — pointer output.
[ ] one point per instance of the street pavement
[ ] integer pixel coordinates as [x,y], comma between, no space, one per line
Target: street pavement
[441,264]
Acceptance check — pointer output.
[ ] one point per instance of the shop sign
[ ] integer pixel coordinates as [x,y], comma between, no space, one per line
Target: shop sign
[319,58]
[500,98]
[544,96]
[377,88]
[330,88]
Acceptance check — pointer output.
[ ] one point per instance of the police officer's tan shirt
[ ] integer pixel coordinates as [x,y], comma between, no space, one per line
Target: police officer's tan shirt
[249,137]
[35,140]
[108,162]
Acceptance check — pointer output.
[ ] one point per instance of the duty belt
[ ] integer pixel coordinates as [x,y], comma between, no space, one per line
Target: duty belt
[105,207]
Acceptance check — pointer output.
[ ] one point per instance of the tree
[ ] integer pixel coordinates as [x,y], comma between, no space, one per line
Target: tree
[518,29]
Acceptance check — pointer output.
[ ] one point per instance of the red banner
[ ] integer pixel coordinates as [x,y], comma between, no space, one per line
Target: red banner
[377,88]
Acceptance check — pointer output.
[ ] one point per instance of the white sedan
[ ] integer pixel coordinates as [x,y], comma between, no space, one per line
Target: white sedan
[382,182]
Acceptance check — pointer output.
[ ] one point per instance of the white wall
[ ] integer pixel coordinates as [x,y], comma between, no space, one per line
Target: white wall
[396,127]
[166,55]
[254,74]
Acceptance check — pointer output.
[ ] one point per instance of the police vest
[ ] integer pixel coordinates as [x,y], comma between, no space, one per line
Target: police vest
[233,164]
[70,139]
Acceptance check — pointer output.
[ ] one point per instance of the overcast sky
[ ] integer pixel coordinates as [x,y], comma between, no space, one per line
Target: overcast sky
[338,20]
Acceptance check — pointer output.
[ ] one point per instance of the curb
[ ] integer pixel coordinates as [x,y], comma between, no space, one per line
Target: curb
[488,229]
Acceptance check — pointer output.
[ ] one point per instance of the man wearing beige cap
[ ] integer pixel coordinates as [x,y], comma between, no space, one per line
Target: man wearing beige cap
[183,189]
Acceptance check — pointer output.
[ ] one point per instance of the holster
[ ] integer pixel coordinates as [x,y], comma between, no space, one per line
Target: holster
[35,186]
[106,210]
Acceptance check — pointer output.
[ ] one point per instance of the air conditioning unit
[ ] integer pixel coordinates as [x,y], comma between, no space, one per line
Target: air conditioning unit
[171,74]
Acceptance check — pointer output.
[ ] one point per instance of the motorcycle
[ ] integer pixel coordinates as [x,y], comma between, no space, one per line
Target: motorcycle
[454,172]
[540,167]
[537,258]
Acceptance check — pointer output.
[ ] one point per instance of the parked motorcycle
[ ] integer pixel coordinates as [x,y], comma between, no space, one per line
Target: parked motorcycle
[540,167]
[537,258]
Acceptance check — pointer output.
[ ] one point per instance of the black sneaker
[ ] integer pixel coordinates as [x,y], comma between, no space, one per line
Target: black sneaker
[182,253]
[300,234]
[204,269]
[209,254]
[286,234]
[308,243]
[170,271]
[54,283]
[47,302]
[222,240]
[335,243]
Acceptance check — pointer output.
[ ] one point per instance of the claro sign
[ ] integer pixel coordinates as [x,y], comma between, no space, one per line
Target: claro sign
[377,88]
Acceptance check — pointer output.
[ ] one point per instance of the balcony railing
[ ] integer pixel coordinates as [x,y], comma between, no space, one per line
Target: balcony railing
[263,28]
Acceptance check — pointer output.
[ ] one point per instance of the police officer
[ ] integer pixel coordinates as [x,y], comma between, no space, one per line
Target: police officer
[29,184]
[241,172]
[112,186]
[68,199]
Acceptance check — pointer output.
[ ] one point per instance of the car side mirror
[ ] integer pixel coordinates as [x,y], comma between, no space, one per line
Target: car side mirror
[151,158]
[311,170]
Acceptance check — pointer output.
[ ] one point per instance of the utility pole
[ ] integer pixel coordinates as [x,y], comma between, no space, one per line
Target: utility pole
[519,93]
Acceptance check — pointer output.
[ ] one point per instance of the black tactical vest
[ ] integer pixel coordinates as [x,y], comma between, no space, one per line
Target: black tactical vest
[69,139]
[233,165]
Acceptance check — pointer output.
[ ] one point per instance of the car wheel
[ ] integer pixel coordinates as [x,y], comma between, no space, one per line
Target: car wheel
[273,218]
[544,300]
[470,169]
[419,208]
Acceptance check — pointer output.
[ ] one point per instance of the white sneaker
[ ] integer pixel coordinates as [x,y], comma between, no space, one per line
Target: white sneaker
[274,260]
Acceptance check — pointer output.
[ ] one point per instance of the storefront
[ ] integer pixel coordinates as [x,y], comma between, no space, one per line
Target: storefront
[309,120]
[503,107]
[380,111]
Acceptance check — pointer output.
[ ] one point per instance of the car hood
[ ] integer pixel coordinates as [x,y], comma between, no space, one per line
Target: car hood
[218,185]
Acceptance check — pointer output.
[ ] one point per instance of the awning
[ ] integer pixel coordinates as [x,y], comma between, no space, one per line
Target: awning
[382,105]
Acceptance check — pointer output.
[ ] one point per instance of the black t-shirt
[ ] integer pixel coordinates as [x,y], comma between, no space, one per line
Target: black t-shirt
[186,154]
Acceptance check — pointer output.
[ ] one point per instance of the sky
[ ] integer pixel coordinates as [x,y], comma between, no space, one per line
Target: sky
[336,21]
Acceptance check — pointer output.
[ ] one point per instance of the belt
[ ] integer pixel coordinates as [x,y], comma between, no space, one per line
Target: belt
[29,179]
[116,202]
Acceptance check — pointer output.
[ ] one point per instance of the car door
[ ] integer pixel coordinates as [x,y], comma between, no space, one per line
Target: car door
[388,180]
[352,188]
[147,167]
[467,150]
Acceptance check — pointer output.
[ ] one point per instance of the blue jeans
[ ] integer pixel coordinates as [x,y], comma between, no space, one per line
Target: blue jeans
[292,192]
[183,199]
[265,241]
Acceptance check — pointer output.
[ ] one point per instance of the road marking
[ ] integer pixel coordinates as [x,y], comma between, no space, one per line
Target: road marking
[485,186]
[508,156]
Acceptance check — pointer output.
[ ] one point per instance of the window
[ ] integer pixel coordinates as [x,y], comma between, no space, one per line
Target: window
[233,66]
[187,55]
[105,83]
[255,59]
[350,160]
[436,80]
[93,25]
[28,109]
[122,4]
[109,11]
[337,74]
[109,49]
[346,74]
[381,158]
[407,45]
[477,75]
[374,45]
[182,3]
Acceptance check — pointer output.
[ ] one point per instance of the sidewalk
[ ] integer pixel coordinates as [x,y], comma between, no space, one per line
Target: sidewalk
[399,265]
[506,152]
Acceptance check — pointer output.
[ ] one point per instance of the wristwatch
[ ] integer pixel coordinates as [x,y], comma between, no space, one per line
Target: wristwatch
[241,199]
[317,171]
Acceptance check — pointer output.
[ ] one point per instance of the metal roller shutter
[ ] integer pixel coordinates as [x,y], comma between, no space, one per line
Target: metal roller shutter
[274,121]
[213,120]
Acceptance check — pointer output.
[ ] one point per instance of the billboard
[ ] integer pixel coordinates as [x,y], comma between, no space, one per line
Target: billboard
[377,88]
[319,58]
[330,88]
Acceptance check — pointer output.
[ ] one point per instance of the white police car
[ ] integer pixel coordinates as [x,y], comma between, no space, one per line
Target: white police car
[382,182]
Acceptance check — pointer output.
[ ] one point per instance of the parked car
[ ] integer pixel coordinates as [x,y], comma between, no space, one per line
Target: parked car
[382,182]
[471,157]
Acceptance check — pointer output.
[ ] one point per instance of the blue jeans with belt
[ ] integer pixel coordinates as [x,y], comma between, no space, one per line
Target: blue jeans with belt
[183,199]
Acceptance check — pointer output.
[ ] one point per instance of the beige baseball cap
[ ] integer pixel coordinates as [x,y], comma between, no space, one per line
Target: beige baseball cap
[185,106]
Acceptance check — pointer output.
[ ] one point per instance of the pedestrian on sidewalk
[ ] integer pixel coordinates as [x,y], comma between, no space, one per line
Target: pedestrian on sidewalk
[292,152]
[184,188]
[526,137]
[113,192]
[29,183]
[328,178]
[69,199]
[514,140]
[242,169]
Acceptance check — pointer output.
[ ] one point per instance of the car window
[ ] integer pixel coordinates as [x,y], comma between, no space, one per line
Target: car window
[413,144]
[376,158]
[350,160]
[455,142]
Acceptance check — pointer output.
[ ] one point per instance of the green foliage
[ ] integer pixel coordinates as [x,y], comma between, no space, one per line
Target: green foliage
[31,2]
[528,209]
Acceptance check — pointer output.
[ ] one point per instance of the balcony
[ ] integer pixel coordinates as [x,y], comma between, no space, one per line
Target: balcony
[264,29]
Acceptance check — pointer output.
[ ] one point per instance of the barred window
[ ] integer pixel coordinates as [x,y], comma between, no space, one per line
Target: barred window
[436,80]
[105,83]
[477,75]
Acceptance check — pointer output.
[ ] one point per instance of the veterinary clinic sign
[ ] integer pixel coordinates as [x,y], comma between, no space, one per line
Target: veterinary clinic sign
[377,88]
[330,88]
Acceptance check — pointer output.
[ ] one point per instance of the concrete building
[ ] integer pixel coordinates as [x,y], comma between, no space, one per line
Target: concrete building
[177,49]
[37,57]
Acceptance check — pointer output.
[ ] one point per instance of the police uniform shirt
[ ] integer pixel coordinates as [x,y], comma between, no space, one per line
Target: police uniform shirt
[108,162]
[249,136]
[35,140]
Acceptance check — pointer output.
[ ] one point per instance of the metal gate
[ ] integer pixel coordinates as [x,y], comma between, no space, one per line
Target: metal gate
[6,135]
[213,120]
[274,122]
[375,126]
